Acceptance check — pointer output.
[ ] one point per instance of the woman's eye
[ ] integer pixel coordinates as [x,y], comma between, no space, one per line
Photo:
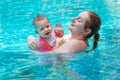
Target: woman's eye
[79,20]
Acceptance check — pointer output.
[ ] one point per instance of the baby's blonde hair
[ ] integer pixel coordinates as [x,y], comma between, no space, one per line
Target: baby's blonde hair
[39,18]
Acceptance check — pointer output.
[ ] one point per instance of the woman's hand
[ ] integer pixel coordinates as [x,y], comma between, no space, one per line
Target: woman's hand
[33,43]
[60,41]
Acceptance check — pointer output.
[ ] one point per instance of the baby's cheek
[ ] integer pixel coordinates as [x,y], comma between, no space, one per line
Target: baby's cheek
[42,32]
[50,29]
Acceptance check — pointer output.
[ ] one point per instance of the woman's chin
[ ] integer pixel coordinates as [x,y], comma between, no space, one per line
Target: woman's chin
[70,27]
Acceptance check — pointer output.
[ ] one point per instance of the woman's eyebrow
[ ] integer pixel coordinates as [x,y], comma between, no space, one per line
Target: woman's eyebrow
[80,17]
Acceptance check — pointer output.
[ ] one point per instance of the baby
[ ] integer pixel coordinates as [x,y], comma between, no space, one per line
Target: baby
[47,36]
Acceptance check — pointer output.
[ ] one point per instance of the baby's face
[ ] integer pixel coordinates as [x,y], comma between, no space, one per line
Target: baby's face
[44,28]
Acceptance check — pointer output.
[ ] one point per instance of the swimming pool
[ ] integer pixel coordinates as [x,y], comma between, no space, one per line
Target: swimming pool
[17,62]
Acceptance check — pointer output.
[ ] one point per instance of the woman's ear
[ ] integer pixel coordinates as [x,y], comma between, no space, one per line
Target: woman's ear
[87,31]
[36,31]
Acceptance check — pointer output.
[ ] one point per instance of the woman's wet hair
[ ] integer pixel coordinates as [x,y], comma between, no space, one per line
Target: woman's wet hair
[94,25]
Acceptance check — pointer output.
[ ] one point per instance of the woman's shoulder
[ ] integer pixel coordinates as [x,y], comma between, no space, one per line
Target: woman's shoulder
[67,36]
[79,43]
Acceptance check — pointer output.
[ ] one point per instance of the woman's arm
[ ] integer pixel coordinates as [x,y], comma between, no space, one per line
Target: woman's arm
[33,43]
[69,46]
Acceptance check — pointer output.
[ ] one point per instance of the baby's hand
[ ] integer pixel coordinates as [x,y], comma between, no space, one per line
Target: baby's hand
[33,43]
[59,29]
[58,25]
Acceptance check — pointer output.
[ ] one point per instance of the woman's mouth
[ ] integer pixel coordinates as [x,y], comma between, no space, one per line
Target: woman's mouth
[72,24]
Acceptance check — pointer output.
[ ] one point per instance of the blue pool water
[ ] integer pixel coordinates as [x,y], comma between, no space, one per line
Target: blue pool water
[18,63]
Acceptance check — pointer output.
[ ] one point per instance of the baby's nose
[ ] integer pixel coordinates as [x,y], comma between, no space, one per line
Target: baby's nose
[46,29]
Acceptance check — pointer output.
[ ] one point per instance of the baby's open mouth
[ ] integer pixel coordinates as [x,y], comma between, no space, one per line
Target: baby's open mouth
[47,33]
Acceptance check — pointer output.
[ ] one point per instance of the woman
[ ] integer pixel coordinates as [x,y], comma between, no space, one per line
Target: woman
[84,26]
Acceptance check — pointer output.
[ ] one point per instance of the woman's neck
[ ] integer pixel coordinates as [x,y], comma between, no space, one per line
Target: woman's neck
[76,36]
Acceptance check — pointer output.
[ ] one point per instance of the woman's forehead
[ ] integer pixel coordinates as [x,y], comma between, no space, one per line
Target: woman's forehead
[84,15]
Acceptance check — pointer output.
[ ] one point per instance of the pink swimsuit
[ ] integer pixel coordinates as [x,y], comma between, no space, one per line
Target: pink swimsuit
[44,45]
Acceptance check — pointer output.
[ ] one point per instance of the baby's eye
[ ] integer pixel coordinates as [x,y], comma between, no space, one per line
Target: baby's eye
[47,26]
[41,29]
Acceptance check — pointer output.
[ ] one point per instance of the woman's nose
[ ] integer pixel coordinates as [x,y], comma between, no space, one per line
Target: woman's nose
[73,19]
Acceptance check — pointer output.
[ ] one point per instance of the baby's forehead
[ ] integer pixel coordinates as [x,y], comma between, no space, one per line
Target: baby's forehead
[43,20]
[41,23]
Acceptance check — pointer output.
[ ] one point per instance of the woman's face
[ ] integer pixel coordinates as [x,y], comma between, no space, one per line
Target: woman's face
[78,23]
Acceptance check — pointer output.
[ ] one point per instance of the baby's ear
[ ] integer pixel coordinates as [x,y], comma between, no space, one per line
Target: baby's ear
[36,31]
